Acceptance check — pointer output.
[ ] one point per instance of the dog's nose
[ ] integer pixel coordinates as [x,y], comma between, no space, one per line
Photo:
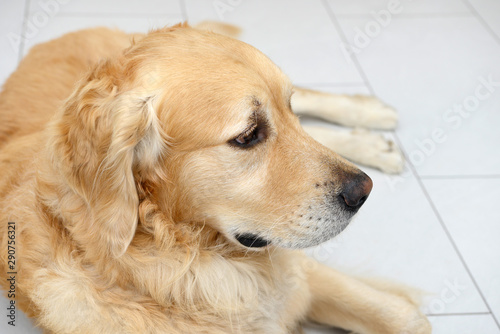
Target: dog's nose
[356,190]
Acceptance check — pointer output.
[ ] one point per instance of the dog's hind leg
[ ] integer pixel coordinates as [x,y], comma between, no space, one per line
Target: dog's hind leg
[353,111]
[342,301]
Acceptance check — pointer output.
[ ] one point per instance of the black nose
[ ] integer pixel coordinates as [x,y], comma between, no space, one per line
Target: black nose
[356,190]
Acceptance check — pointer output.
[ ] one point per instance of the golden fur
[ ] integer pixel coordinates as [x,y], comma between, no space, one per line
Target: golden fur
[128,193]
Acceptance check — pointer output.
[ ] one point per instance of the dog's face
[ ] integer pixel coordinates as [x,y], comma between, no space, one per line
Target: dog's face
[232,153]
[240,158]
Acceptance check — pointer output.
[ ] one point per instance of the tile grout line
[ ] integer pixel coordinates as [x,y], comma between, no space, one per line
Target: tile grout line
[182,4]
[342,36]
[27,5]
[458,314]
[410,16]
[482,20]
[412,168]
[448,235]
[446,230]
[460,177]
[453,243]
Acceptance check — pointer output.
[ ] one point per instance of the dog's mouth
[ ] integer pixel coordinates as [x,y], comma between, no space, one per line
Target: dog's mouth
[252,240]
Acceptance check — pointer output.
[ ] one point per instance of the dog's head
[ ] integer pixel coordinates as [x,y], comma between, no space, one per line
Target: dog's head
[201,125]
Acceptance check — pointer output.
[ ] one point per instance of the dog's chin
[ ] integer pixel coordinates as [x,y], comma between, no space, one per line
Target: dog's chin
[257,241]
[313,240]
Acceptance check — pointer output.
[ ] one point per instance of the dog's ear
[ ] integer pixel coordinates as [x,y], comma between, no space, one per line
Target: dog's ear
[105,136]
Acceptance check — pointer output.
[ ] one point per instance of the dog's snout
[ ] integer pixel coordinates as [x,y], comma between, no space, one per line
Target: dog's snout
[356,190]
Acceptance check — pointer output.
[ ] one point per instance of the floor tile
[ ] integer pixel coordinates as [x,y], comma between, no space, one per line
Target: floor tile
[469,208]
[489,10]
[11,25]
[443,76]
[305,48]
[12,8]
[464,324]
[397,236]
[457,324]
[61,25]
[398,7]
[131,8]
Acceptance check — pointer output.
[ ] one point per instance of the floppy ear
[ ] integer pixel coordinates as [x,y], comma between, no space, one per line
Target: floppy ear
[104,137]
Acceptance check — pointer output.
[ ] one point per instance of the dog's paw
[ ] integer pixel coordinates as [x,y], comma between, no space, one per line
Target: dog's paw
[361,146]
[407,318]
[381,153]
[418,324]
[374,114]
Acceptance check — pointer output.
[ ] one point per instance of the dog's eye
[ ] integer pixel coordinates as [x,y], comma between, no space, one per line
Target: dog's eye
[248,138]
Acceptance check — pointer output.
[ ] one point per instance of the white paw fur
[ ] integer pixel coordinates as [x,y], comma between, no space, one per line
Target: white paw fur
[361,146]
[353,111]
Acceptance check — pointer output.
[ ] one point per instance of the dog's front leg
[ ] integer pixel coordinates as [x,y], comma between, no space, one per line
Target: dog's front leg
[342,301]
[361,146]
[348,110]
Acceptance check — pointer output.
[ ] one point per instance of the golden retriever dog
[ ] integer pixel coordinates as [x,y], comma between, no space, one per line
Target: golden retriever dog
[162,184]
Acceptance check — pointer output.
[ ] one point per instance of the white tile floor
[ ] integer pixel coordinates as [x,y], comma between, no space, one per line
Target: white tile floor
[436,226]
